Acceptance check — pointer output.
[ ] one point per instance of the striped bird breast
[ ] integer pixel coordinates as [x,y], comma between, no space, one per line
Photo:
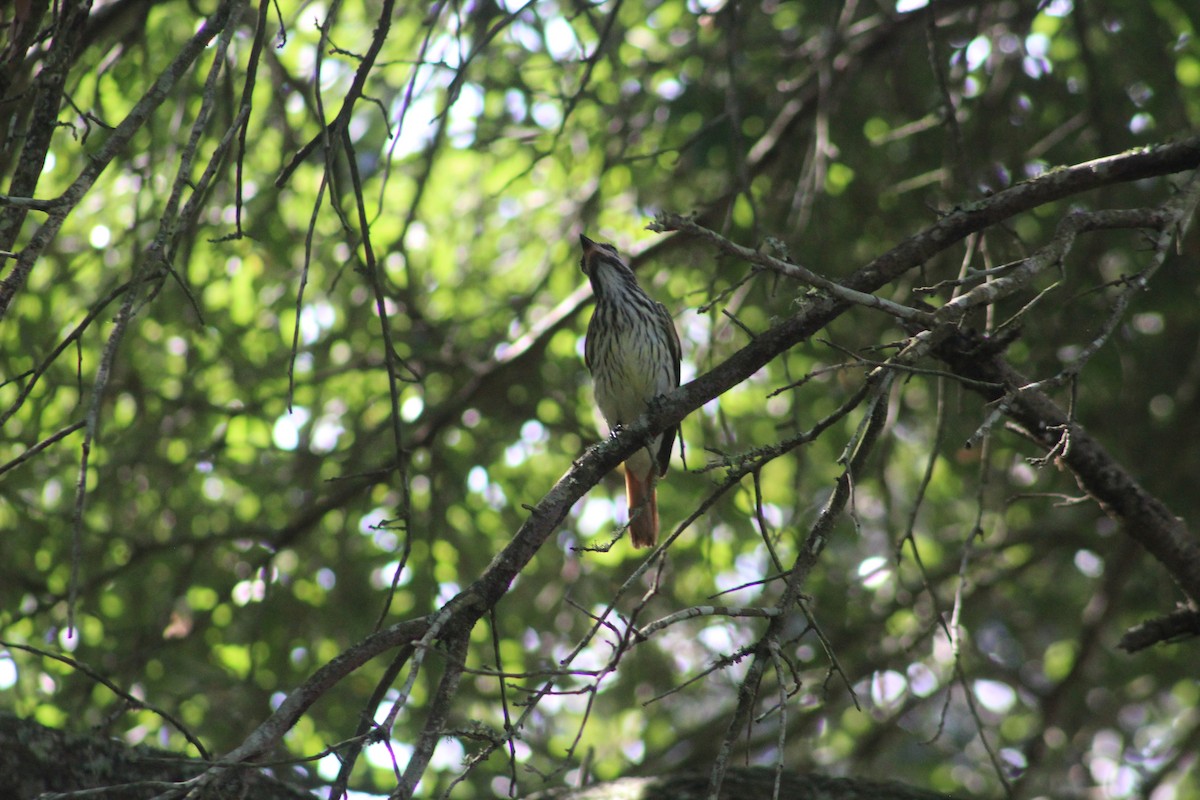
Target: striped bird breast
[628,350]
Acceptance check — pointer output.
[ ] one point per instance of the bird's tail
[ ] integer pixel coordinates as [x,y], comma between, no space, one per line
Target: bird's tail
[643,507]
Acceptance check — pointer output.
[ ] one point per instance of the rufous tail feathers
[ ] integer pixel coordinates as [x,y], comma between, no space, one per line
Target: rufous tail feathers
[643,508]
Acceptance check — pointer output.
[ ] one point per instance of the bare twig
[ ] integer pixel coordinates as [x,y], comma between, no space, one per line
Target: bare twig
[674,222]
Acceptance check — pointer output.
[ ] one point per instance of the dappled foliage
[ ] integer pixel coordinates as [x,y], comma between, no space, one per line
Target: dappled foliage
[290,348]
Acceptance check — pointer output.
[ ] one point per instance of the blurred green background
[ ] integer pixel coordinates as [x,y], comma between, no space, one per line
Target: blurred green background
[247,505]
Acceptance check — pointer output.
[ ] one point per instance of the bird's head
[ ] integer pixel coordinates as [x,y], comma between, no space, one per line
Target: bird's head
[598,254]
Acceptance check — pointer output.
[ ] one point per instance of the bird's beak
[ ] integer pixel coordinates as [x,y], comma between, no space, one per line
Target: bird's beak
[588,247]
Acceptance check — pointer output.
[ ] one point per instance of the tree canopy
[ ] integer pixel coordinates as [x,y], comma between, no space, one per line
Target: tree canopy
[297,461]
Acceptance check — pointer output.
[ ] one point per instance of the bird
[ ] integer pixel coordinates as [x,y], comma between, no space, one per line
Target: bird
[632,350]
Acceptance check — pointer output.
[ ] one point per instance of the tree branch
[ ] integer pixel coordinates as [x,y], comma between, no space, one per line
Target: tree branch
[1144,517]
[113,145]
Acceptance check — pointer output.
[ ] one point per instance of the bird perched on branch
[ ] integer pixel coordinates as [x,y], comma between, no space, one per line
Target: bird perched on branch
[633,352]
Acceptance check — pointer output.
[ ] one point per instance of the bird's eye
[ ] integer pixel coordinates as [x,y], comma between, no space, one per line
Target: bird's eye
[609,248]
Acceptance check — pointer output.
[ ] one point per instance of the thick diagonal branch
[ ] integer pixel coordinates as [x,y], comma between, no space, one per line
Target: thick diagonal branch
[1143,516]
